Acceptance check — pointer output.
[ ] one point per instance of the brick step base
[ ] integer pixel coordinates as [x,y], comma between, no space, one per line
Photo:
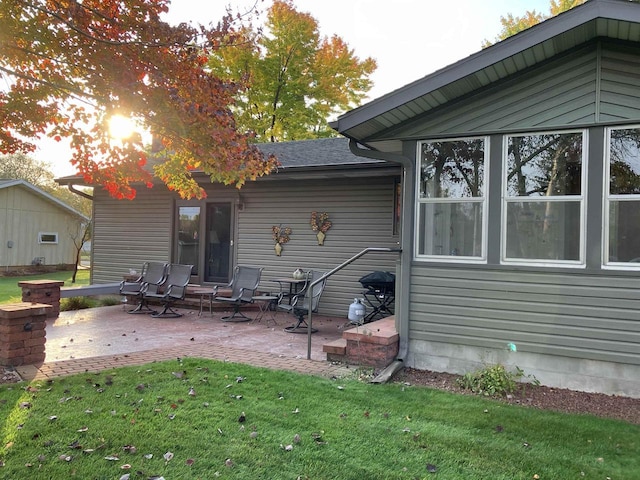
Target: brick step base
[374,344]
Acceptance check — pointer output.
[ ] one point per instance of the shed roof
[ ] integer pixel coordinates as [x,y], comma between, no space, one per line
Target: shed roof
[42,194]
[614,19]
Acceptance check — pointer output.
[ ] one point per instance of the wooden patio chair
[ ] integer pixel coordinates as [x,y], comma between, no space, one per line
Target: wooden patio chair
[243,285]
[151,278]
[174,289]
[303,301]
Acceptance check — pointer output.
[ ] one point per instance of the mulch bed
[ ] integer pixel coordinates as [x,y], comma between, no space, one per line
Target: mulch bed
[547,398]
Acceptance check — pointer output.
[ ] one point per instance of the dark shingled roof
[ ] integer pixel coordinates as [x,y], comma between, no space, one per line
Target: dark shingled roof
[322,152]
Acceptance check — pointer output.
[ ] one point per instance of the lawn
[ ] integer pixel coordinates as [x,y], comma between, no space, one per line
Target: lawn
[192,418]
[10,292]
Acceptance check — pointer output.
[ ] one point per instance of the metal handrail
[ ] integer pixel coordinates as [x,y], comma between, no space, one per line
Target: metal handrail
[309,291]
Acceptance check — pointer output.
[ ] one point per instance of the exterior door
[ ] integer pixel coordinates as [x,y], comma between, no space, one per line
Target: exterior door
[218,249]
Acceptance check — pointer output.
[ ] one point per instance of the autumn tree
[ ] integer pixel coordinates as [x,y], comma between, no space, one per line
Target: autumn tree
[512,25]
[69,65]
[297,79]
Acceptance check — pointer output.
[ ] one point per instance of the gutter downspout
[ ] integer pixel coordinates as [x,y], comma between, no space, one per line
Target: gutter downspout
[402,307]
[73,189]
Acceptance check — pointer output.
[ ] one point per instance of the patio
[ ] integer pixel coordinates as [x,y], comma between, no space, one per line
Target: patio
[105,331]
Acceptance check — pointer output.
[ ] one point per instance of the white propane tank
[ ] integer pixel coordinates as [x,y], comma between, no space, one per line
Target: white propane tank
[356,312]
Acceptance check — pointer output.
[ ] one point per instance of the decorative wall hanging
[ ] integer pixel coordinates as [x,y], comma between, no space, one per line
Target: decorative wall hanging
[280,235]
[320,224]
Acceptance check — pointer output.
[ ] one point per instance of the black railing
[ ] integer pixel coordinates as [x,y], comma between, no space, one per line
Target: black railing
[331,272]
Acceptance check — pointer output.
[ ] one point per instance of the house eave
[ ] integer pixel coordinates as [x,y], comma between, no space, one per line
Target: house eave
[612,19]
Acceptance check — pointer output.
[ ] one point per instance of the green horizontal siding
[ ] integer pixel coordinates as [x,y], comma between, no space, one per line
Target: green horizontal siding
[575,315]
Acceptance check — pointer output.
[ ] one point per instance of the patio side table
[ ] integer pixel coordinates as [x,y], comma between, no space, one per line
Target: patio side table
[203,292]
[264,304]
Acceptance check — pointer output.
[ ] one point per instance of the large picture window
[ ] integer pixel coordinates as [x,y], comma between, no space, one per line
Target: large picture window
[543,214]
[452,199]
[622,201]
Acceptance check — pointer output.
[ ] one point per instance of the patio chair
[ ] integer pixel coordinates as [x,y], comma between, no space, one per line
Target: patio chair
[174,289]
[302,302]
[150,280]
[243,285]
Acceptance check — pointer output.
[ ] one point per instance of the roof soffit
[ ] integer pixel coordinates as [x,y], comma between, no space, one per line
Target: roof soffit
[613,19]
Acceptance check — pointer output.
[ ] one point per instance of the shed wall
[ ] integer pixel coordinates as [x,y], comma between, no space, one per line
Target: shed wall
[22,216]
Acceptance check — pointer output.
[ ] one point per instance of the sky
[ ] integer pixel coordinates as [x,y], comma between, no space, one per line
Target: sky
[409,39]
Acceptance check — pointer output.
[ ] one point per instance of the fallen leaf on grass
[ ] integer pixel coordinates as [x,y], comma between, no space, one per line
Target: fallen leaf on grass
[189,462]
[431,468]
[112,458]
[168,456]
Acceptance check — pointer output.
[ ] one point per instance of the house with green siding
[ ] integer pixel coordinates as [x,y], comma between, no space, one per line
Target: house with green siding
[234,226]
[510,180]
[521,202]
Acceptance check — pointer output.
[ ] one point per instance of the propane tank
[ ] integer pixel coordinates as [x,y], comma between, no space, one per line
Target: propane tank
[356,312]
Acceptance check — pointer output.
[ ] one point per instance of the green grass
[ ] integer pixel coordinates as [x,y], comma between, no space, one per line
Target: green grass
[91,425]
[10,292]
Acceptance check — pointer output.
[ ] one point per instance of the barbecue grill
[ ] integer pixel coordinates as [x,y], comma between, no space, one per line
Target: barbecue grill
[379,294]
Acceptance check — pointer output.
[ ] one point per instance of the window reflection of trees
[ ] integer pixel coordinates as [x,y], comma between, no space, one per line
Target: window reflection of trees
[452,169]
[449,172]
[623,214]
[544,165]
[543,179]
[624,174]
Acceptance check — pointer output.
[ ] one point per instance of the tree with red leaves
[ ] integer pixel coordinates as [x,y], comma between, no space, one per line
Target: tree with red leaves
[70,65]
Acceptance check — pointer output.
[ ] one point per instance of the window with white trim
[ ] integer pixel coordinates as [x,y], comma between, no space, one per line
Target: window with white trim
[452,185]
[622,197]
[544,192]
[48,237]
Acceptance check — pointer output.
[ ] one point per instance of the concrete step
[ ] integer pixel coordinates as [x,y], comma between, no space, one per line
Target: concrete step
[337,347]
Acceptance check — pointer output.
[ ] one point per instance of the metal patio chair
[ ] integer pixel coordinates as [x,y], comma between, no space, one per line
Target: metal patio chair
[174,289]
[151,278]
[243,285]
[303,301]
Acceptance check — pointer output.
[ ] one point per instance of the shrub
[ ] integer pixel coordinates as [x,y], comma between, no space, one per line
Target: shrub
[109,301]
[76,303]
[493,380]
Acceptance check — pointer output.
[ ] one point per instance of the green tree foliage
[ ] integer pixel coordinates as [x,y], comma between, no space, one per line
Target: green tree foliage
[296,80]
[512,25]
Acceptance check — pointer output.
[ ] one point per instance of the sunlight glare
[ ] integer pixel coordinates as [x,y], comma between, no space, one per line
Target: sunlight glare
[121,127]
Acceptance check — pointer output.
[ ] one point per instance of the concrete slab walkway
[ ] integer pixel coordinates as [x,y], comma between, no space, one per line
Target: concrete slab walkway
[96,339]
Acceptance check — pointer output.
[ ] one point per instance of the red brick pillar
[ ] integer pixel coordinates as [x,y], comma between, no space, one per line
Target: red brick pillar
[22,333]
[43,291]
